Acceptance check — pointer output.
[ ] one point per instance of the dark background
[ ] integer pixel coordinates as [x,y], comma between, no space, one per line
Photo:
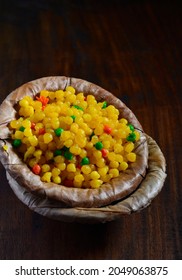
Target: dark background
[134,50]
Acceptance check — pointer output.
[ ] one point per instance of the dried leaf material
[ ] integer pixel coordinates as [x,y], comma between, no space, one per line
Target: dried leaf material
[110,192]
[148,189]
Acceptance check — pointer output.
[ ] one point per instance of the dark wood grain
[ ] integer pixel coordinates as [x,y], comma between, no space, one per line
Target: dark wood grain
[133,49]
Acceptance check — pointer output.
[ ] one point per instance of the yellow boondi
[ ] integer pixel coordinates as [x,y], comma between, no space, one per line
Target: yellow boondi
[69,138]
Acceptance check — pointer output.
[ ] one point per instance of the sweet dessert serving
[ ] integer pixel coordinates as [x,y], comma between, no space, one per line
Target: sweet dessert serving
[72,144]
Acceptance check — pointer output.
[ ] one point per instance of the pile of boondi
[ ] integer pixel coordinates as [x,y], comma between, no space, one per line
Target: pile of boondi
[71,139]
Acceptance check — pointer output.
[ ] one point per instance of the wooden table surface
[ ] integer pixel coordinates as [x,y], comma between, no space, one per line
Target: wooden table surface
[134,50]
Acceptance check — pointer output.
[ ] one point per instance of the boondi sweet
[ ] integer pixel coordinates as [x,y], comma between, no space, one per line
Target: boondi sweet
[70,138]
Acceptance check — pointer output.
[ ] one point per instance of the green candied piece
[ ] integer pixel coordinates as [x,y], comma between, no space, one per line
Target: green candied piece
[16,143]
[22,128]
[73,117]
[85,161]
[131,127]
[68,155]
[131,137]
[98,145]
[78,107]
[57,152]
[58,131]
[104,105]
